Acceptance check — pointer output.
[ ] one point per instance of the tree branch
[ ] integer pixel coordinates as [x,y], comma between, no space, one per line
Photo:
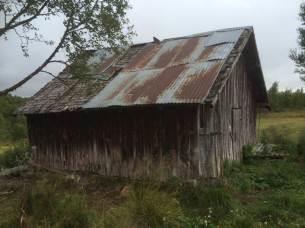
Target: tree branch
[22,11]
[54,76]
[38,69]
[10,24]
[59,61]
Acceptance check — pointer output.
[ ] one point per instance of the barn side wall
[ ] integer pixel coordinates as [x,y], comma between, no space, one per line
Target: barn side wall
[119,142]
[182,140]
[230,124]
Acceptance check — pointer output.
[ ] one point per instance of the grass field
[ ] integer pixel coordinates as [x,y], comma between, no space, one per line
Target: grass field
[290,124]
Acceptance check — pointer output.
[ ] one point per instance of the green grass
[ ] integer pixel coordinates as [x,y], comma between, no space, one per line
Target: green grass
[291,124]
[255,194]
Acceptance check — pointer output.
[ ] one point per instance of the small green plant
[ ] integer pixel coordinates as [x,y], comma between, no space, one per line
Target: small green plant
[247,151]
[14,156]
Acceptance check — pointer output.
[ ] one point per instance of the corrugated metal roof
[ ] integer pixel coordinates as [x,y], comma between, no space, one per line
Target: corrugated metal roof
[176,70]
[173,71]
[184,83]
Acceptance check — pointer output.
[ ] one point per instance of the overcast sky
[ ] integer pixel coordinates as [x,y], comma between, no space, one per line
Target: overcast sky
[275,24]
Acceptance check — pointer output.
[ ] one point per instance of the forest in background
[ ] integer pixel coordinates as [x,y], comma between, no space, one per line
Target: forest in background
[287,100]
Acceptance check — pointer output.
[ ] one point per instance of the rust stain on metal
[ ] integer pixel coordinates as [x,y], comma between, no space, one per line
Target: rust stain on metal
[198,85]
[143,57]
[187,48]
[206,52]
[152,88]
[166,58]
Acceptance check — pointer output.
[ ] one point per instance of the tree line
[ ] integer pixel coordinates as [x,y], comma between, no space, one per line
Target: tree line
[285,100]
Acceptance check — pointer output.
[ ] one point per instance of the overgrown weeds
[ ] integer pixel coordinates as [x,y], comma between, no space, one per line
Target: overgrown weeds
[146,206]
[256,194]
[47,206]
[15,155]
[203,200]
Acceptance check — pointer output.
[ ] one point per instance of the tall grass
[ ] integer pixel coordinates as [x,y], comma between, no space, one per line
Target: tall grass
[146,206]
[47,206]
[202,200]
[13,156]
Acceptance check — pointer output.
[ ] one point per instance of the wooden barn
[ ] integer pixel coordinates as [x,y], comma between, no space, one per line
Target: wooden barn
[181,107]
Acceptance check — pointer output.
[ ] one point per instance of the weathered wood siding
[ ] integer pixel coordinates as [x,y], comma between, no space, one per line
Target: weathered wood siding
[119,142]
[230,124]
[181,140]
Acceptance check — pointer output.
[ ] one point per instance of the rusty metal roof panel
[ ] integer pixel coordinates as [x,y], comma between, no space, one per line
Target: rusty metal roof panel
[175,84]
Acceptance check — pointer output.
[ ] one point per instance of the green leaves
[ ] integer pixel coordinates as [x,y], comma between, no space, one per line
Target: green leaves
[298,56]
[89,24]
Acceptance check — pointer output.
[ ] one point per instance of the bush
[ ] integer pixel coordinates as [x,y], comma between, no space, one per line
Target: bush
[47,207]
[146,206]
[247,151]
[14,156]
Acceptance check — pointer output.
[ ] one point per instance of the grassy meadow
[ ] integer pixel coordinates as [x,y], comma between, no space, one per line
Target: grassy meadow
[289,123]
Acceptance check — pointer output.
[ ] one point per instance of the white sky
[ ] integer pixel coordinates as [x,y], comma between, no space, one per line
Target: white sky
[275,24]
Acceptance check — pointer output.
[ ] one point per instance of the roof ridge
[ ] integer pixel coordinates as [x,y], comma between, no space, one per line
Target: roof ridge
[207,33]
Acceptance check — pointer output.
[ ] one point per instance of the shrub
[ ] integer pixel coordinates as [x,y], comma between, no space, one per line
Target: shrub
[145,207]
[45,206]
[17,155]
[247,151]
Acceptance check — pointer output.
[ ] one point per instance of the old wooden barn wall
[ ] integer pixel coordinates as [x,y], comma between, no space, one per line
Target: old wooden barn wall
[230,124]
[119,142]
[182,140]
